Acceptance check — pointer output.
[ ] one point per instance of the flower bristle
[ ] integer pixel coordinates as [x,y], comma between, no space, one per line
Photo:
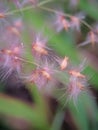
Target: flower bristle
[61,22]
[64,63]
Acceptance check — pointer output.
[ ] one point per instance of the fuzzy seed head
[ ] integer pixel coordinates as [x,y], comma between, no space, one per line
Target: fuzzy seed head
[46,74]
[75,87]
[6,51]
[40,77]
[2,15]
[75,22]
[18,23]
[14,30]
[64,63]
[10,58]
[92,38]
[80,86]
[76,74]
[39,49]
[65,23]
[61,22]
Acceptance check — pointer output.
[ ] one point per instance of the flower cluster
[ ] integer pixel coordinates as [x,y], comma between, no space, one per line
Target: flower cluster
[47,64]
[63,21]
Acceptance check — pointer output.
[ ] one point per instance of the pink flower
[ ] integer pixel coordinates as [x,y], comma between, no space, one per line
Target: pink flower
[77,83]
[64,63]
[91,38]
[60,22]
[10,60]
[41,52]
[75,87]
[76,21]
[39,48]
[42,76]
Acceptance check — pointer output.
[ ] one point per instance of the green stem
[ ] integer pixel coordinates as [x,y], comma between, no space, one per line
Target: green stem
[58,120]
[44,2]
[64,14]
[28,8]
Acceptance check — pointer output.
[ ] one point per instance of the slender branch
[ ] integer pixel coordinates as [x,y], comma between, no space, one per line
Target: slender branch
[65,14]
[28,7]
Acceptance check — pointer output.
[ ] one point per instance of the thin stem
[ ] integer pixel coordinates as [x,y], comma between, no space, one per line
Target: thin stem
[40,5]
[87,25]
[33,63]
[28,8]
[64,14]
[44,2]
[17,11]
[27,61]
